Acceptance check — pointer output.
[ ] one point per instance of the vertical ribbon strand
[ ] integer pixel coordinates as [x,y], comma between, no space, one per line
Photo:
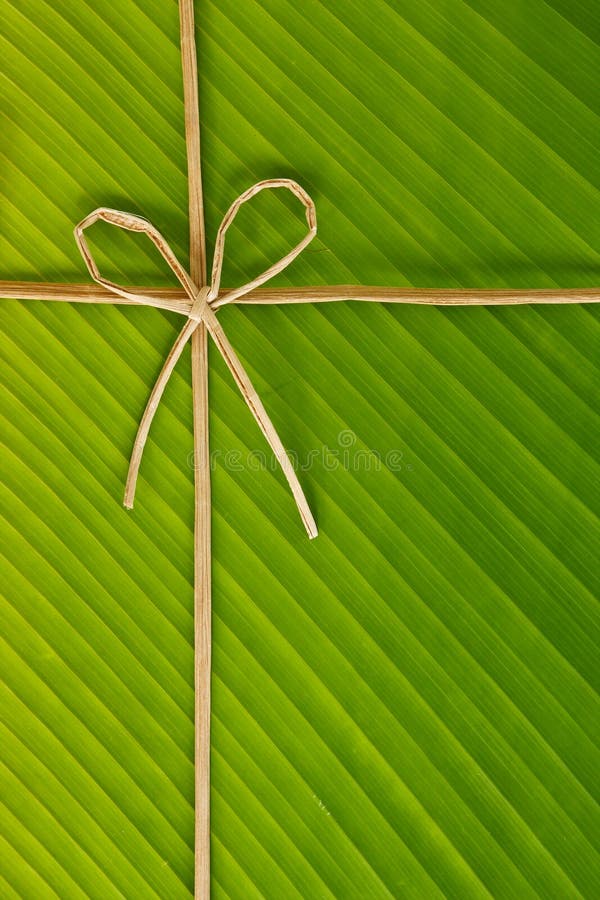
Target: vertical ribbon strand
[202,518]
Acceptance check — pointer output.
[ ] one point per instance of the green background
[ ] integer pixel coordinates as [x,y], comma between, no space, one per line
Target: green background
[406,706]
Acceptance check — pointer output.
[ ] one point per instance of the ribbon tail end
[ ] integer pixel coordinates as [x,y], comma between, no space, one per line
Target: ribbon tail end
[129,495]
[309,523]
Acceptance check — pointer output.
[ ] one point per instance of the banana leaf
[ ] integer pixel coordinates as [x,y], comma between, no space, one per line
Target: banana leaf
[406,707]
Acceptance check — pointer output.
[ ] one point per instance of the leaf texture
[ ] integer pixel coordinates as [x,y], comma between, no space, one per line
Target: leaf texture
[406,707]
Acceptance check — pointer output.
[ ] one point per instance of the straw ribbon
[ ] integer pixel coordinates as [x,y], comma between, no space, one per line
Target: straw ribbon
[203,302]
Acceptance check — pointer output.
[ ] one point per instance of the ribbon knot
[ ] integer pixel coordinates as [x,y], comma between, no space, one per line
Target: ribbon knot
[204,300]
[198,308]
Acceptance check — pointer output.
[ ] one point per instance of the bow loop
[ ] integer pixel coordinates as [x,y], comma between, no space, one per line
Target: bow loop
[276,268]
[129,222]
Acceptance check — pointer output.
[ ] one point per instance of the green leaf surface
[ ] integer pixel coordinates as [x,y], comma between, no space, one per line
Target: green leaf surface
[407,706]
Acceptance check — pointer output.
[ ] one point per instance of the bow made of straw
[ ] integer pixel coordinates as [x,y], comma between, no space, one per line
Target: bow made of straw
[204,300]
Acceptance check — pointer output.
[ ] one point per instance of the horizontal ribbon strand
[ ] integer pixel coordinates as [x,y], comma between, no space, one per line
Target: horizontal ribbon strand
[176,300]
